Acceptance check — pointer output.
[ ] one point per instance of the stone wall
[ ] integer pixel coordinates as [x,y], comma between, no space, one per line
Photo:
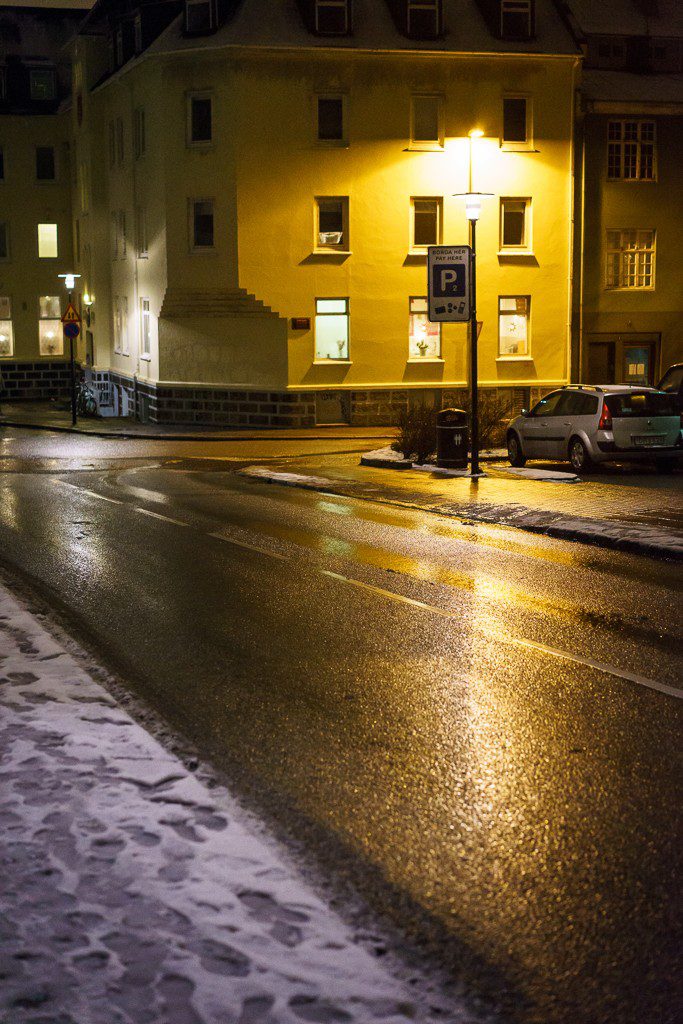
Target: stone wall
[34,380]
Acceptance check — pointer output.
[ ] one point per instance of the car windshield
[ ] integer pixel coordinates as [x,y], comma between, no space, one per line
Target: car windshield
[640,403]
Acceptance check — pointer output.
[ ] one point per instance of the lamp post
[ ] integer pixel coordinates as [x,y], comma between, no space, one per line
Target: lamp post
[70,282]
[472,211]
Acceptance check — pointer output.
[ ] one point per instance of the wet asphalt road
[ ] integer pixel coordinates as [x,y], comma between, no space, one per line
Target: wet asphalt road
[379,682]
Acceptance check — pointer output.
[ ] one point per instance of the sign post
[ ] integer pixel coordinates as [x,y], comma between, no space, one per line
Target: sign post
[71,325]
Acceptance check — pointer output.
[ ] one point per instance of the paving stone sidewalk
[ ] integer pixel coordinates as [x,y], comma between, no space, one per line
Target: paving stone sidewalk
[135,892]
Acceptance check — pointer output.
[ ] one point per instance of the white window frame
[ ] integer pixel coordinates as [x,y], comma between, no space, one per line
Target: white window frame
[511,145]
[525,248]
[6,325]
[338,4]
[199,94]
[331,143]
[343,246]
[124,339]
[145,328]
[53,322]
[54,225]
[504,356]
[346,357]
[433,328]
[633,258]
[122,240]
[619,146]
[428,145]
[421,249]
[194,248]
[116,310]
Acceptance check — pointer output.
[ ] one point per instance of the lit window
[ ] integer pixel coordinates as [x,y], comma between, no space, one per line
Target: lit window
[332,223]
[631,150]
[630,259]
[50,334]
[145,328]
[332,17]
[200,15]
[331,328]
[515,216]
[426,122]
[424,18]
[516,122]
[47,241]
[199,120]
[42,83]
[330,119]
[4,240]
[45,163]
[202,223]
[424,338]
[139,139]
[513,325]
[6,330]
[516,19]
[426,223]
[141,232]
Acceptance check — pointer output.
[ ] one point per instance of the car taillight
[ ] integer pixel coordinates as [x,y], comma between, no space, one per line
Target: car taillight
[605,418]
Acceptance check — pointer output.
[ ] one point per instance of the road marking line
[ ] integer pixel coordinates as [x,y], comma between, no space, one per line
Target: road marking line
[157,515]
[250,547]
[84,490]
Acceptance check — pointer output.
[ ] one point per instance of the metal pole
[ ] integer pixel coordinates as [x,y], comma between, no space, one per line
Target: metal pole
[474,371]
[73,378]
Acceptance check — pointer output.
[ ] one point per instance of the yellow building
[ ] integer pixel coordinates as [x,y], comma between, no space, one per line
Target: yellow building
[262,181]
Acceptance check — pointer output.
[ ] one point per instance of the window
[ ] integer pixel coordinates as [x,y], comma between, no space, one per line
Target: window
[332,17]
[112,144]
[426,223]
[139,139]
[45,163]
[2,164]
[137,33]
[331,119]
[114,217]
[3,85]
[122,243]
[424,18]
[120,147]
[516,122]
[4,240]
[47,241]
[145,329]
[50,335]
[6,330]
[42,83]
[516,19]
[332,329]
[426,122]
[631,150]
[200,15]
[117,324]
[141,232]
[199,118]
[84,186]
[123,336]
[332,223]
[424,338]
[202,223]
[513,325]
[515,224]
[630,259]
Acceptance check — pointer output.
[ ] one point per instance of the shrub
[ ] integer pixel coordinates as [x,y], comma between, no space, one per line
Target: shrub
[496,410]
[416,433]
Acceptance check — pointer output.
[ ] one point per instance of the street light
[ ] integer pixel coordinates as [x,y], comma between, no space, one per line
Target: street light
[472,212]
[70,284]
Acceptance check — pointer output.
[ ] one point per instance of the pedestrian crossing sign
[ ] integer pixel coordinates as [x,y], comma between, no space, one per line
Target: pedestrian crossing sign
[71,315]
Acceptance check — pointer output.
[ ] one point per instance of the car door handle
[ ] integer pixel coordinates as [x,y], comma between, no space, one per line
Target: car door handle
[567,424]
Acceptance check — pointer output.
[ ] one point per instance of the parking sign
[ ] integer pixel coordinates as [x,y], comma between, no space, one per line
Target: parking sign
[448,283]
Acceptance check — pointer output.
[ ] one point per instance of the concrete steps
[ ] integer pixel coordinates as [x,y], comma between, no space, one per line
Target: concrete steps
[224,302]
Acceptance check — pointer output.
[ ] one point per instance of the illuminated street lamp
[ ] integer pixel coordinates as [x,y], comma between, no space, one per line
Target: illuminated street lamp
[472,211]
[70,284]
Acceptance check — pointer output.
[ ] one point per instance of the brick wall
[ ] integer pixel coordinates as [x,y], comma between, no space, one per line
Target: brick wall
[34,380]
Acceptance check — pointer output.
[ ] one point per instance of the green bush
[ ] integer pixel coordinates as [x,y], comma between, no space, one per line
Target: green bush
[416,437]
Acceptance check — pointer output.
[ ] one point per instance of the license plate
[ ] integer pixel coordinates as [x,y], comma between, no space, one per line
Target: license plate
[650,441]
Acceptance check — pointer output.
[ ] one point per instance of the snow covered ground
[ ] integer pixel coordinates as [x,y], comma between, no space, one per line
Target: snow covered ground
[135,893]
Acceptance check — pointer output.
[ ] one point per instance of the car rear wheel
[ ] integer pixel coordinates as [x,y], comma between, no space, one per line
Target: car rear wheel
[515,454]
[665,465]
[579,457]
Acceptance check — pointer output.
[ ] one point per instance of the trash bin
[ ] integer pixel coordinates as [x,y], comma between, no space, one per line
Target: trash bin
[452,438]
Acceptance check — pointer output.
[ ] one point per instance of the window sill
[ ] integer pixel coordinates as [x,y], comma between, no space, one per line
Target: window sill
[331,362]
[518,147]
[204,250]
[145,358]
[516,252]
[425,147]
[419,360]
[201,147]
[632,288]
[631,181]
[419,252]
[332,252]
[514,359]
[332,143]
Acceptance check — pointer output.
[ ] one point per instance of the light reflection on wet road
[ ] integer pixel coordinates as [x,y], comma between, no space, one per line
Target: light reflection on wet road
[513,811]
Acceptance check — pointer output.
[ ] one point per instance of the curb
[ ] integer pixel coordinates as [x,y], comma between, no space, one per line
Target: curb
[133,436]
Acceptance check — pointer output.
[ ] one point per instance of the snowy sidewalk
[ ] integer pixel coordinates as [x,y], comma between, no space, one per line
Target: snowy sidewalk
[132,893]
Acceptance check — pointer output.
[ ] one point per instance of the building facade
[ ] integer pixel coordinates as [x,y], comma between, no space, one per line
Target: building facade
[257,187]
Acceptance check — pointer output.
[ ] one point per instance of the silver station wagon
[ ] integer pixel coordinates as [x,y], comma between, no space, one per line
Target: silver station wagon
[587,424]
